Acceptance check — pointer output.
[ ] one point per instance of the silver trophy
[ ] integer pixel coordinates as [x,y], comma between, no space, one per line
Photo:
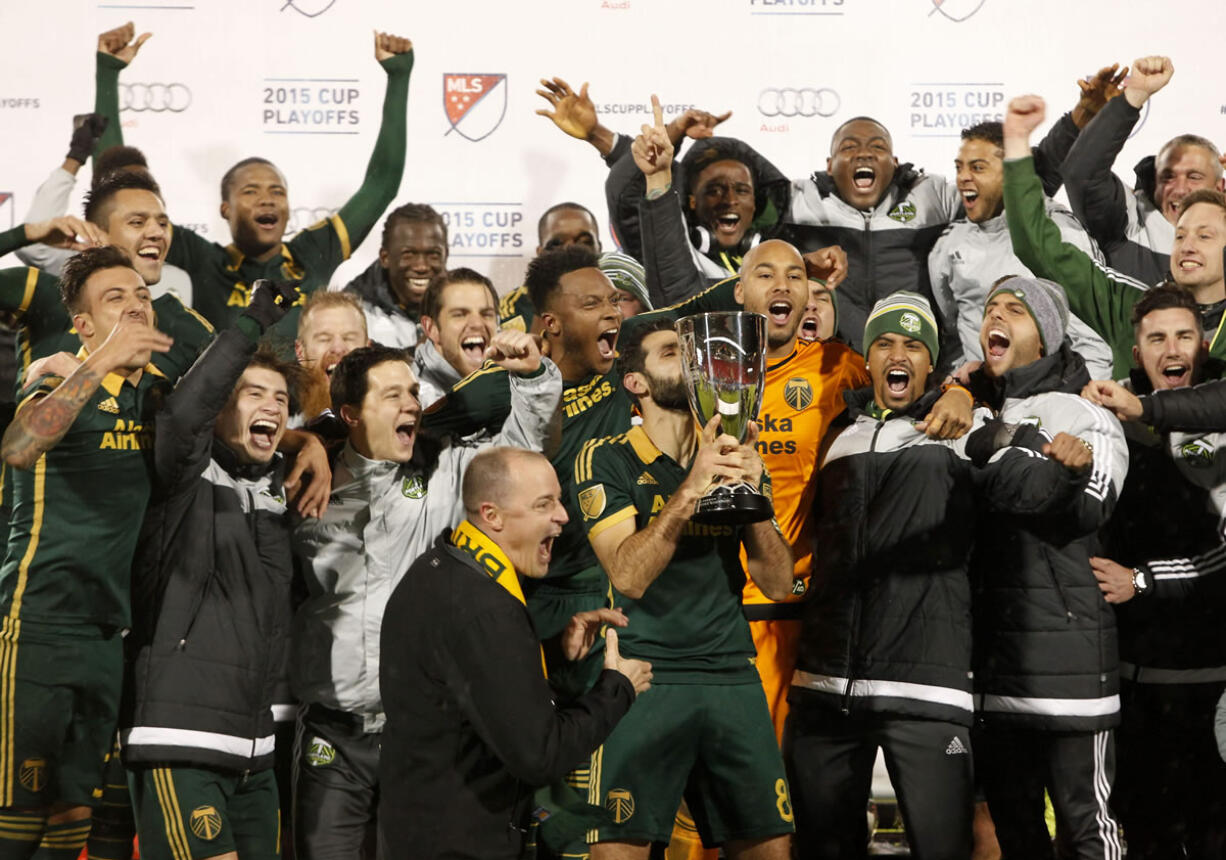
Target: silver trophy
[723,362]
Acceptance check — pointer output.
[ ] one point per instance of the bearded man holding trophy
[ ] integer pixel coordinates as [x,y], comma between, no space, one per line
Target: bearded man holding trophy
[668,507]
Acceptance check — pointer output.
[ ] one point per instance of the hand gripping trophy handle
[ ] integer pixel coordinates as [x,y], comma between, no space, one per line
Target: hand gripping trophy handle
[723,362]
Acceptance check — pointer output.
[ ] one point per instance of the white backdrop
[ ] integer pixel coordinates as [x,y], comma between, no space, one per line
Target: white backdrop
[296,81]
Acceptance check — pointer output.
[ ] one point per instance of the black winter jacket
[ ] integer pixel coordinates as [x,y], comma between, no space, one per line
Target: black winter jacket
[1201,408]
[625,186]
[471,727]
[1045,640]
[886,625]
[1162,515]
[211,587]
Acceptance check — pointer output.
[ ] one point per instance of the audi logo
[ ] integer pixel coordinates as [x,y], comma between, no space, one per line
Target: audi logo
[156,98]
[802,102]
[304,216]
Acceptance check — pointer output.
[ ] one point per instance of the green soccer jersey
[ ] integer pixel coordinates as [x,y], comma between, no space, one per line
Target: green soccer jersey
[222,276]
[31,300]
[12,239]
[596,407]
[688,624]
[77,511]
[515,310]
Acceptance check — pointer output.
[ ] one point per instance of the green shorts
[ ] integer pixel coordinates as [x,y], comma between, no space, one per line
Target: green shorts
[714,744]
[188,812]
[59,706]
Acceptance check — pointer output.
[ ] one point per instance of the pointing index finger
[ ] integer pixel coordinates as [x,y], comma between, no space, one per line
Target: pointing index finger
[657,111]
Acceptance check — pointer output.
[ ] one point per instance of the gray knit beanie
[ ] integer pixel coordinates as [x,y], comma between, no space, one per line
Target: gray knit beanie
[1047,303]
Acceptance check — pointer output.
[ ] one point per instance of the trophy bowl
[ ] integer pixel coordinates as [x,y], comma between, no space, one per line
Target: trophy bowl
[723,362]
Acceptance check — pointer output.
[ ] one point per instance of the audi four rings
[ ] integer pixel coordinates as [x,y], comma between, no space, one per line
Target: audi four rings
[158,98]
[799,102]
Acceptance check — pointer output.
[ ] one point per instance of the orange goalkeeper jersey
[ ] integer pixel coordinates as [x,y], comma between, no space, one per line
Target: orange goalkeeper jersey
[804,393]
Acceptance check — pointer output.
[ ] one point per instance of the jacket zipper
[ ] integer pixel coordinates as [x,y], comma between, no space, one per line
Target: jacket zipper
[854,632]
[1068,613]
[870,296]
[191,621]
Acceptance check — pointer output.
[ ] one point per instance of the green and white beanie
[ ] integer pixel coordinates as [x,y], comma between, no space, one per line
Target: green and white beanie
[627,274]
[905,313]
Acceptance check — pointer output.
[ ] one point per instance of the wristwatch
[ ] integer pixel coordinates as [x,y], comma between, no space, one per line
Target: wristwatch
[1140,581]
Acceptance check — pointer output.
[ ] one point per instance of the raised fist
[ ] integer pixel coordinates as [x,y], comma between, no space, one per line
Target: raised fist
[514,351]
[118,42]
[1150,74]
[388,46]
[270,301]
[1024,115]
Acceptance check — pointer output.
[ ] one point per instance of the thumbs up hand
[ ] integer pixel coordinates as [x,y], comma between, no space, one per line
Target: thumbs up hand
[637,672]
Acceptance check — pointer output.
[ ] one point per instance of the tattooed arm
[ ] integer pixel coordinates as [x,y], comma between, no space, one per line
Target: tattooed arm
[43,419]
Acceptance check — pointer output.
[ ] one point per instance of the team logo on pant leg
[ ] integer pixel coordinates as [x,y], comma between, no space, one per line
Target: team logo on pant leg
[320,753]
[621,803]
[206,822]
[798,393]
[33,774]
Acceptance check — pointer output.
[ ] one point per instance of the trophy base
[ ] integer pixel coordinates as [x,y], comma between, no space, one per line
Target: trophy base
[737,504]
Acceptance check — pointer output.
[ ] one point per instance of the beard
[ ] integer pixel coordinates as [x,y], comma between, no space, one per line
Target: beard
[671,394]
[316,393]
[777,339]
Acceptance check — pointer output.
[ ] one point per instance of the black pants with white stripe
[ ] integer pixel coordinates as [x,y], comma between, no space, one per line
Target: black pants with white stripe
[830,757]
[1076,769]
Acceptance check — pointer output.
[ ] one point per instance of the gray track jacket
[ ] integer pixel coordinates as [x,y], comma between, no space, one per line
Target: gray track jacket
[969,258]
[382,515]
